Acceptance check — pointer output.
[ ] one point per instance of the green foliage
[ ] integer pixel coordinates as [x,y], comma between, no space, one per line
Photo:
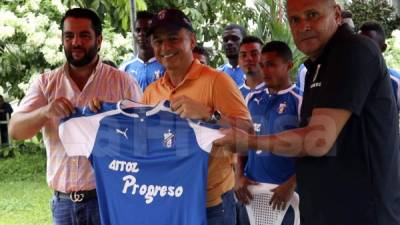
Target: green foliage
[272,25]
[265,20]
[392,53]
[24,30]
[21,147]
[376,10]
[16,168]
[116,11]
[24,192]
[209,18]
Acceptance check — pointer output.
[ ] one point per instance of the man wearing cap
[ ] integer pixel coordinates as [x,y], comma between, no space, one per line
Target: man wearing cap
[192,89]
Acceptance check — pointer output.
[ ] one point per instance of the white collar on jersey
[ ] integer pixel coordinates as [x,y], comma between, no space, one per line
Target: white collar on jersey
[125,104]
[153,59]
[281,92]
[258,86]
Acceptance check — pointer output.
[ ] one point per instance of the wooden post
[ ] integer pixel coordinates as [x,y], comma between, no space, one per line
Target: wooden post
[133,21]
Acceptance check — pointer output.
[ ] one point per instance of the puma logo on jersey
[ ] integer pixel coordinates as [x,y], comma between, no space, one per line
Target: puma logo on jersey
[257,100]
[122,132]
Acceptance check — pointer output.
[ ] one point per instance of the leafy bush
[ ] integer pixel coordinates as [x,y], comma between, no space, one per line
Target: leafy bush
[392,53]
[376,10]
[21,147]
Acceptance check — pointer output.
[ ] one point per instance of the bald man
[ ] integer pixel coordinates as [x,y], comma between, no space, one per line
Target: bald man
[348,169]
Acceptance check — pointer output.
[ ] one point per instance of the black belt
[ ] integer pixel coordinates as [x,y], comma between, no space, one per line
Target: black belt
[76,196]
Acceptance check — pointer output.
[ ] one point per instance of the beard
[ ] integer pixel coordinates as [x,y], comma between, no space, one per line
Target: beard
[90,54]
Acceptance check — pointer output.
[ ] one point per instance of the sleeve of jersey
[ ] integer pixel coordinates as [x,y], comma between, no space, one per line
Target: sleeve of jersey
[205,136]
[353,69]
[229,102]
[78,134]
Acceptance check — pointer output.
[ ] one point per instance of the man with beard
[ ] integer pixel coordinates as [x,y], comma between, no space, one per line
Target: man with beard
[144,67]
[54,95]
[231,38]
[348,169]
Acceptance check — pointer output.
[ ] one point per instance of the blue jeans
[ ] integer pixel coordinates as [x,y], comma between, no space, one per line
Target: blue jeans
[241,212]
[243,218]
[224,213]
[66,212]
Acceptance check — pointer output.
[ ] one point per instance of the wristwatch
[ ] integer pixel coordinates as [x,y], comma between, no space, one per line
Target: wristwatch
[214,117]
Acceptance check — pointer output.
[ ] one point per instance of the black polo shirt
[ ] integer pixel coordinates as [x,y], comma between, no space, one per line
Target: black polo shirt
[358,181]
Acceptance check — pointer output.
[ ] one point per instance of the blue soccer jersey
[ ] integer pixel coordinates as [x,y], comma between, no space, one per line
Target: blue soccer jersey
[246,90]
[395,78]
[150,165]
[144,72]
[301,78]
[237,74]
[272,113]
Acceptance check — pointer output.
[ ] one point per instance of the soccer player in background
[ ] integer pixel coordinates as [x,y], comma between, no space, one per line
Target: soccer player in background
[143,67]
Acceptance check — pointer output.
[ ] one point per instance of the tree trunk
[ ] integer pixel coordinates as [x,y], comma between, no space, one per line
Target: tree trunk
[133,21]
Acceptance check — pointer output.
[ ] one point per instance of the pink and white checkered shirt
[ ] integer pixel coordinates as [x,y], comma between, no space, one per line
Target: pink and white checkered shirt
[64,173]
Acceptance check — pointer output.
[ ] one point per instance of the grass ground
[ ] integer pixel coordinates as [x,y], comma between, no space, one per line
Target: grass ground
[24,195]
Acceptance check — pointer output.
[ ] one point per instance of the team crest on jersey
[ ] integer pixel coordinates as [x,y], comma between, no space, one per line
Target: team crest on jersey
[282,107]
[169,139]
[257,127]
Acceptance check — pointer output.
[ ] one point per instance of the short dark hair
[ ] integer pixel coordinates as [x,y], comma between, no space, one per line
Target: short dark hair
[346,14]
[235,26]
[200,50]
[86,14]
[280,47]
[144,15]
[373,26]
[110,63]
[251,39]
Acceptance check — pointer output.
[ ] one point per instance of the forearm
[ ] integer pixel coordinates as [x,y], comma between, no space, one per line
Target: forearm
[241,163]
[26,125]
[242,124]
[288,143]
[293,182]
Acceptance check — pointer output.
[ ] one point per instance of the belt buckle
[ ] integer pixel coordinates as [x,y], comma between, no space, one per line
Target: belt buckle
[76,197]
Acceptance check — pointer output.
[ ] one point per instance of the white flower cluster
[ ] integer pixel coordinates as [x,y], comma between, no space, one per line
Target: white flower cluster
[392,55]
[8,24]
[113,44]
[396,36]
